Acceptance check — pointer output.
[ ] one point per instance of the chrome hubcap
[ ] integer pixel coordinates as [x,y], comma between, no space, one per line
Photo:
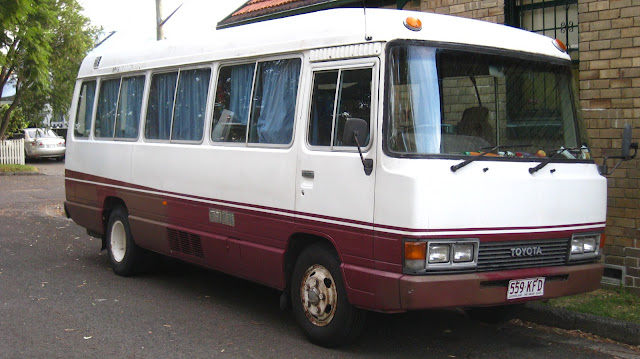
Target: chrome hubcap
[118,241]
[319,295]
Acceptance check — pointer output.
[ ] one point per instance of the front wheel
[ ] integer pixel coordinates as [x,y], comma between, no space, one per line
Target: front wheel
[319,299]
[123,252]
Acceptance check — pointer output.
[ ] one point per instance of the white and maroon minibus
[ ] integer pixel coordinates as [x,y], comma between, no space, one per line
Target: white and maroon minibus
[386,161]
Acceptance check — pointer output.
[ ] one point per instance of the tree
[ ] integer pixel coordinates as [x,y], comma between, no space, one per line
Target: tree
[42,46]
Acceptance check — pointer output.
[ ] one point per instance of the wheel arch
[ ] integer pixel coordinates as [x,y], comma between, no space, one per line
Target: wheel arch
[297,243]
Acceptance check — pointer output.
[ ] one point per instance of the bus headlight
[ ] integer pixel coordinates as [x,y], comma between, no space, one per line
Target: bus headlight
[584,247]
[439,253]
[463,252]
[422,256]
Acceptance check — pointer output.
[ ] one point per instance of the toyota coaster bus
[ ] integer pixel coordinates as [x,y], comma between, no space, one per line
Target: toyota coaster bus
[383,161]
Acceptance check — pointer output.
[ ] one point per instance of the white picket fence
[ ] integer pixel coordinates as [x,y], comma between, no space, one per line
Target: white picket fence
[12,152]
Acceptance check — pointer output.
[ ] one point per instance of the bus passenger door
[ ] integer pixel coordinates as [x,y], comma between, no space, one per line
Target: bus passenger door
[335,196]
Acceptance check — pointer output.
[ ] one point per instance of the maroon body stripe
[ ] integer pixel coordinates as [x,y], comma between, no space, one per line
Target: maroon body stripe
[254,247]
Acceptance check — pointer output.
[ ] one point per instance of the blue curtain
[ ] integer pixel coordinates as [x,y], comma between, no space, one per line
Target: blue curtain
[425,98]
[106,113]
[240,96]
[128,118]
[160,106]
[191,104]
[279,88]
[85,109]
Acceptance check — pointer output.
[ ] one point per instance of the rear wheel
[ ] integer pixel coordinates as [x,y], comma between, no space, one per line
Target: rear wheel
[319,299]
[123,252]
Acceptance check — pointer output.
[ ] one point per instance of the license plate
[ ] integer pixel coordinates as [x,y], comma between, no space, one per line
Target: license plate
[525,288]
[51,146]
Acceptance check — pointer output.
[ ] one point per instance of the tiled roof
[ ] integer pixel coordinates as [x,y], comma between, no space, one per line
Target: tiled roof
[256,10]
[262,5]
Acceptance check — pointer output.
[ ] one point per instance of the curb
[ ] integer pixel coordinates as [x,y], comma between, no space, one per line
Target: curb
[20,173]
[618,330]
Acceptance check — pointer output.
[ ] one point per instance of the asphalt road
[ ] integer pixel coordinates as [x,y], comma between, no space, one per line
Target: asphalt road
[60,299]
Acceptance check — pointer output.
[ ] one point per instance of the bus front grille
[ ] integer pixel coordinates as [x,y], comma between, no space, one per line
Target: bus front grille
[493,256]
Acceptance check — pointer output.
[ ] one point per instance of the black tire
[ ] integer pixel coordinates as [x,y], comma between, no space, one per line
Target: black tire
[123,252]
[336,321]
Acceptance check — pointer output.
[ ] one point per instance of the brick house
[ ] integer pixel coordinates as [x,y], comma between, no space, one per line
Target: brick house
[604,43]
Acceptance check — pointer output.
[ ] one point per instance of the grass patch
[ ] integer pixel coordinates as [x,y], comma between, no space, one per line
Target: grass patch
[614,303]
[17,168]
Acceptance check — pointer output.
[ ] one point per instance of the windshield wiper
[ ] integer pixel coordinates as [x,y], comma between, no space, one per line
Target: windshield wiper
[454,168]
[548,160]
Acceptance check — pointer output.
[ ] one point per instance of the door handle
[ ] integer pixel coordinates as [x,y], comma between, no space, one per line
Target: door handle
[307,174]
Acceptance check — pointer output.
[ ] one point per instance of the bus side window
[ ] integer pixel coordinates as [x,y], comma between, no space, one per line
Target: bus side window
[233,98]
[191,104]
[106,113]
[129,107]
[350,90]
[274,102]
[160,106]
[82,126]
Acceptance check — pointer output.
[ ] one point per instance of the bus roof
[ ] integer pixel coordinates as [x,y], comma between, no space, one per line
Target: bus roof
[321,29]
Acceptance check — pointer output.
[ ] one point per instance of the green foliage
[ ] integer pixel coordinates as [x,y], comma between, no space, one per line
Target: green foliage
[17,168]
[17,122]
[614,303]
[42,44]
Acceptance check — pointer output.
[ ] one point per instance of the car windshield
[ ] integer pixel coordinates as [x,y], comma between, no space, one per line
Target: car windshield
[464,103]
[41,132]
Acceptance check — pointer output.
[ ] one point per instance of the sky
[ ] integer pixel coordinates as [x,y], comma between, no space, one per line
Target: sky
[135,20]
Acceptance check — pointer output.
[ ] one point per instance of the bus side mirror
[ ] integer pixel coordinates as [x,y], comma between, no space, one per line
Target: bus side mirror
[355,127]
[627,145]
[626,141]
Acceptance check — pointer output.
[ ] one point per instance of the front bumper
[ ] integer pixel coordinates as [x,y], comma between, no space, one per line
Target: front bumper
[396,293]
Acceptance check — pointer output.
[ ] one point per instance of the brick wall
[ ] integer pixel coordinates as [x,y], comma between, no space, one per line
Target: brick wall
[488,10]
[610,97]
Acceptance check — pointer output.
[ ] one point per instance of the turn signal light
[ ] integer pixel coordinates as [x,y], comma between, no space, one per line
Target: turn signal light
[415,250]
[413,23]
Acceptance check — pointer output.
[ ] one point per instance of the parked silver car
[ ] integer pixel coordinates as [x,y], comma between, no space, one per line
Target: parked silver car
[42,143]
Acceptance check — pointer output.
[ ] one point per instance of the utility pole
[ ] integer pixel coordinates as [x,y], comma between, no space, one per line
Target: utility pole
[160,22]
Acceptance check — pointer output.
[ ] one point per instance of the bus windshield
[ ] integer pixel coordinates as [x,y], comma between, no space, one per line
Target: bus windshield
[460,103]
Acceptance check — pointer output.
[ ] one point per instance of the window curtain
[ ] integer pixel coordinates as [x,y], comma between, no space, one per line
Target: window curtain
[129,107]
[106,113]
[279,92]
[160,106]
[85,109]
[425,98]
[191,104]
[415,101]
[241,82]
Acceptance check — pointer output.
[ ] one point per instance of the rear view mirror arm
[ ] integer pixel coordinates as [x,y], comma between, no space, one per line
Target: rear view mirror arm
[366,163]
[604,169]
[627,145]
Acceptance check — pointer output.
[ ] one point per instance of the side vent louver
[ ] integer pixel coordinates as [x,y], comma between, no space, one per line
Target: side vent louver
[185,242]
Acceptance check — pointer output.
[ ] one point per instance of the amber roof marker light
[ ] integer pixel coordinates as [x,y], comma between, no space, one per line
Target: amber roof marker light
[559,45]
[413,23]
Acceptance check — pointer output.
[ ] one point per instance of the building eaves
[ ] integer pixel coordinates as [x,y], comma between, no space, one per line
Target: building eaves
[261,10]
